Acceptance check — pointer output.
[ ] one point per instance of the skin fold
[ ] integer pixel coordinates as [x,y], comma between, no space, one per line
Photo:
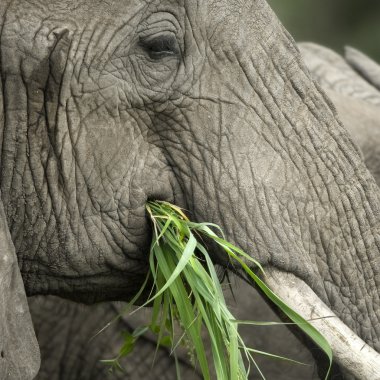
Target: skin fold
[207,104]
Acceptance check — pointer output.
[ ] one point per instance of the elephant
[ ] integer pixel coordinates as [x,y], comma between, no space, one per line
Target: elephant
[206,104]
[74,324]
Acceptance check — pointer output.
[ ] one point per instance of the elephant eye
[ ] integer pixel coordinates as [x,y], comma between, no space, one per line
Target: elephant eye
[160,46]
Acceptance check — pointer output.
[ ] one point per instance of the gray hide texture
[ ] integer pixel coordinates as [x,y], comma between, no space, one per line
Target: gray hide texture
[367,67]
[19,352]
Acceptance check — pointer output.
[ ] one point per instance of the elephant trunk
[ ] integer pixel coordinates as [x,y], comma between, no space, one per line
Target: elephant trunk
[289,185]
[350,352]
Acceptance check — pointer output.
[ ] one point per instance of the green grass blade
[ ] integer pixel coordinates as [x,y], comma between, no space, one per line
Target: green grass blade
[278,357]
[187,290]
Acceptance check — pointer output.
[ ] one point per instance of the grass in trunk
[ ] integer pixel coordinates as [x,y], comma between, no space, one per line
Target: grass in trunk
[187,293]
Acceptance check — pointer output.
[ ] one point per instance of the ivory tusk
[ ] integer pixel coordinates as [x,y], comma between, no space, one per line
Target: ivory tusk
[350,351]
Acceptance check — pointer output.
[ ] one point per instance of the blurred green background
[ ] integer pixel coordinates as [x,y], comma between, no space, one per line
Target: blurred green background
[333,23]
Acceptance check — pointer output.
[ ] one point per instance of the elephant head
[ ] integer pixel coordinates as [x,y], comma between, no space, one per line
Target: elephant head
[206,104]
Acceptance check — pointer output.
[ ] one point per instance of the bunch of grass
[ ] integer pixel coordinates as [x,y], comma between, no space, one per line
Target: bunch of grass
[187,292]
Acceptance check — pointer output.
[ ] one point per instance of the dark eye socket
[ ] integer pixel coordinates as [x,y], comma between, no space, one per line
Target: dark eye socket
[161,46]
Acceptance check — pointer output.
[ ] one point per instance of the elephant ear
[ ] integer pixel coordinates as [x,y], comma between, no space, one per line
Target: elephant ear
[364,65]
[19,352]
[353,76]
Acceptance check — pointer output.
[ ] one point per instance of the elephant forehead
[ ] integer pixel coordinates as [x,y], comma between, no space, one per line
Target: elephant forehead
[77,11]
[215,11]
[233,22]
[226,7]
[238,23]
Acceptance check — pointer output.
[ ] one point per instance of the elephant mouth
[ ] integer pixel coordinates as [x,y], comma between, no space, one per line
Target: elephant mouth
[115,272]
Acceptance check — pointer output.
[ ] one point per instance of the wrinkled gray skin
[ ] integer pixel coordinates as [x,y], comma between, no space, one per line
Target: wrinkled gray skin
[206,104]
[79,358]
